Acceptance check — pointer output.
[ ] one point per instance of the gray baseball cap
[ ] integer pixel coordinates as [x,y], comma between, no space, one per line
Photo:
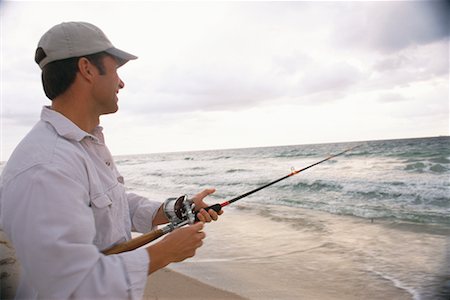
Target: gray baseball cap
[75,39]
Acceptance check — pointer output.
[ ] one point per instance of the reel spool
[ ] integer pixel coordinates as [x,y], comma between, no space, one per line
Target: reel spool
[179,210]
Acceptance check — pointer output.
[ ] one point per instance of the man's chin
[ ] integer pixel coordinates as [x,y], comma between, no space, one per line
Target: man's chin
[111,111]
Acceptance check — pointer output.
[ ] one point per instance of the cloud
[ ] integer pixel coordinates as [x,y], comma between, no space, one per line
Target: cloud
[207,63]
[391,97]
[392,26]
[220,87]
[431,59]
[410,66]
[336,77]
[239,87]
[21,99]
[211,88]
[292,64]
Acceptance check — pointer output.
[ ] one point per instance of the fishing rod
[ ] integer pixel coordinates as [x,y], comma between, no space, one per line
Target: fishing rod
[218,206]
[181,211]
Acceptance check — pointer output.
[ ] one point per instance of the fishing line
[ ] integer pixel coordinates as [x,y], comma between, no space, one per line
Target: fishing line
[182,211]
[217,207]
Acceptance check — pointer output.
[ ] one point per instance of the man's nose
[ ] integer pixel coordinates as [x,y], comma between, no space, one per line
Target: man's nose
[121,84]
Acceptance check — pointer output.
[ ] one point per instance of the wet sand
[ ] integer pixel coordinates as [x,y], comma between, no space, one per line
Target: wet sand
[270,255]
[166,284]
[316,255]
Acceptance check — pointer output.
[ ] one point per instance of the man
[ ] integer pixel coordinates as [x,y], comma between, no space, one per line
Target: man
[62,199]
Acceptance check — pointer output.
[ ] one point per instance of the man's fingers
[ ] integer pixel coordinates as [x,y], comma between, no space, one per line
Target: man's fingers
[212,213]
[202,214]
[206,216]
[204,193]
[201,218]
[197,226]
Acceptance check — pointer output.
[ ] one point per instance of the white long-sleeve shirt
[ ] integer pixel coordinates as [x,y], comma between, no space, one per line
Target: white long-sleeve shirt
[62,201]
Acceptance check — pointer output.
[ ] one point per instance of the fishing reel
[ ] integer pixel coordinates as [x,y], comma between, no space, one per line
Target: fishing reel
[179,211]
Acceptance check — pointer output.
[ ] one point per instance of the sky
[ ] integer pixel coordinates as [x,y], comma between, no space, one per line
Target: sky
[216,75]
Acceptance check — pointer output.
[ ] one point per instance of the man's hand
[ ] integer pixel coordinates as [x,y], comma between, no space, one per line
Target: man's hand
[202,214]
[182,243]
[176,246]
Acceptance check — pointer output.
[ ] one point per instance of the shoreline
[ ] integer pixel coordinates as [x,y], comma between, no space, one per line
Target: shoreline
[167,284]
[267,254]
[327,257]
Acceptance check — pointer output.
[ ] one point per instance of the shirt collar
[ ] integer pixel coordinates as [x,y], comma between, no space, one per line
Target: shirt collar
[66,128]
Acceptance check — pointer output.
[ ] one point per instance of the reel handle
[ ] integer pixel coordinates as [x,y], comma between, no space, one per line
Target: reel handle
[150,236]
[216,207]
[134,243]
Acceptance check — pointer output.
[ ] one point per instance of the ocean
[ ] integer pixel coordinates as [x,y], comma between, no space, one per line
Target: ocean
[374,219]
[373,223]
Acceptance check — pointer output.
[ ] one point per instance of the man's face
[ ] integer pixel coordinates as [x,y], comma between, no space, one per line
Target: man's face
[107,87]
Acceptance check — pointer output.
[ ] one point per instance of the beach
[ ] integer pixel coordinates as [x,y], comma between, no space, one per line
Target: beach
[243,276]
[166,284]
[327,257]
[371,224]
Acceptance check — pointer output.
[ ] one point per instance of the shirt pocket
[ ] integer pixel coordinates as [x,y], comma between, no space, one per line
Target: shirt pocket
[111,214]
[102,210]
[101,201]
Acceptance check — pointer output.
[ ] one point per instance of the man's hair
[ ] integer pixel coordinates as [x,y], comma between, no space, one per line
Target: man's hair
[59,75]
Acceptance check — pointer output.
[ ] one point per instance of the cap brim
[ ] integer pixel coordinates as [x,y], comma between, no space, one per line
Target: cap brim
[121,55]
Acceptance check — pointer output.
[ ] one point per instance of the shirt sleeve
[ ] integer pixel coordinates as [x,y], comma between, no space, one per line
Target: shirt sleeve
[47,216]
[142,212]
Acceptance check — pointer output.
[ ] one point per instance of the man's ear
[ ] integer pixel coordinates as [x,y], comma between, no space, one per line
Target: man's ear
[86,69]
